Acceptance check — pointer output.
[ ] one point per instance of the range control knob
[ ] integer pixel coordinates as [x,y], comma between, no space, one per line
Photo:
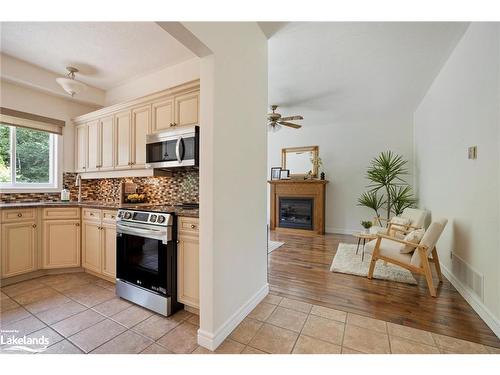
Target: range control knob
[161,219]
[128,215]
[120,214]
[152,218]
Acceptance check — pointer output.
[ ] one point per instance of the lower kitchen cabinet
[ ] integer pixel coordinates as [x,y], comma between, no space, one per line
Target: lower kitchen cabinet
[109,250]
[18,247]
[61,243]
[188,262]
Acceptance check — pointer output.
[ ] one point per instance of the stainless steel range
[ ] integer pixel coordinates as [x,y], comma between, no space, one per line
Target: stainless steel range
[146,259]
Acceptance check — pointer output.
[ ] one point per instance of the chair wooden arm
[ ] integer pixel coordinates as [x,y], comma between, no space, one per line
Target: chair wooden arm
[380,218]
[412,244]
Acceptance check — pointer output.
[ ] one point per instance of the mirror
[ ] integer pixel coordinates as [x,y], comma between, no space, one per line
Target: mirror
[298,160]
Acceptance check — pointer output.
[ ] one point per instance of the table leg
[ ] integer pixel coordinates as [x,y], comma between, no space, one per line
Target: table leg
[357,248]
[363,253]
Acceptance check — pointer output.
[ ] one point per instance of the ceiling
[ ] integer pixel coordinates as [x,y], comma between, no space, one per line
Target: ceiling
[336,71]
[106,53]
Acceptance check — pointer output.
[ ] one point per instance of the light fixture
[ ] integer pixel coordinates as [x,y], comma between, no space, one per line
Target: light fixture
[70,84]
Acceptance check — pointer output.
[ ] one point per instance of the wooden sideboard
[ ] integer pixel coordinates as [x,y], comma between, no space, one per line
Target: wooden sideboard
[314,189]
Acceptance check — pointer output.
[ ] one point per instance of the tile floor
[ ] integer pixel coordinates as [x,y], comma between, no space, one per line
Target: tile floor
[80,313]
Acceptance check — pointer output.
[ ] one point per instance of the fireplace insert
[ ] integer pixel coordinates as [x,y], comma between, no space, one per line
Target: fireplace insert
[296,213]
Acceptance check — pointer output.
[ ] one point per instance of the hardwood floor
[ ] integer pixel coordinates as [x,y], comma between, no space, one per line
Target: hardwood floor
[300,269]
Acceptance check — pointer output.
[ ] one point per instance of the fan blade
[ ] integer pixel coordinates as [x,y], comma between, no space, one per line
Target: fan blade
[297,117]
[291,125]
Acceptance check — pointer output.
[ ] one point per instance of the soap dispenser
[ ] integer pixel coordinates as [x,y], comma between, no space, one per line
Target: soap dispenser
[65,194]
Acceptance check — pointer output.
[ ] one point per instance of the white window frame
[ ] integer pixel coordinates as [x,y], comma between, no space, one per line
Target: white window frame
[55,176]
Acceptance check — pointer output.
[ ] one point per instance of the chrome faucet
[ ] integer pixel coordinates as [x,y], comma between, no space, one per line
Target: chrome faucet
[78,183]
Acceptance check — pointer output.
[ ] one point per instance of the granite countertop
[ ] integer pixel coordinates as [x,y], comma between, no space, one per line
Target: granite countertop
[98,205]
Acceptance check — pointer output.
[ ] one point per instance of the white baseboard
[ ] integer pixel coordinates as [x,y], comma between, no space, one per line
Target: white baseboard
[212,340]
[474,301]
[340,230]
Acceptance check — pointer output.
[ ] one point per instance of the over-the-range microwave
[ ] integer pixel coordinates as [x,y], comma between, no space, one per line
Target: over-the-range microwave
[173,148]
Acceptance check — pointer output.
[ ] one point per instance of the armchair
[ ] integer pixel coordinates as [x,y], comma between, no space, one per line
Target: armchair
[387,248]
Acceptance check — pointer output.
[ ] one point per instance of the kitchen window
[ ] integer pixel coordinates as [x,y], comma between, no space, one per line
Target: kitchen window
[28,155]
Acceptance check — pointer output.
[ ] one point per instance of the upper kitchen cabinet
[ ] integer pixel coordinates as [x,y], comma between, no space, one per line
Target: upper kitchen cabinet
[114,138]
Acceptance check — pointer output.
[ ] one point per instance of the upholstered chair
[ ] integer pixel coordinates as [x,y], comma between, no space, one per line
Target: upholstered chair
[411,218]
[415,257]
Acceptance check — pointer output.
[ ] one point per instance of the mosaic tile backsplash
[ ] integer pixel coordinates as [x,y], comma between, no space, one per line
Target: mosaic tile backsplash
[182,186]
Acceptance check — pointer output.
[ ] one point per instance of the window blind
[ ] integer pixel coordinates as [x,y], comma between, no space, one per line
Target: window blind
[28,120]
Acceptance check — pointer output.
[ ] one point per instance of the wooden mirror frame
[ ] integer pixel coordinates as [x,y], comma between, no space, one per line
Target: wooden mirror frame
[315,154]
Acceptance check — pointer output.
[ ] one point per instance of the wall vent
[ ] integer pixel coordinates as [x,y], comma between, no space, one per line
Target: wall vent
[469,277]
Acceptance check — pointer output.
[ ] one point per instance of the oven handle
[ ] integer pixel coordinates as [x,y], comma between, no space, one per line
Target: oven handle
[146,233]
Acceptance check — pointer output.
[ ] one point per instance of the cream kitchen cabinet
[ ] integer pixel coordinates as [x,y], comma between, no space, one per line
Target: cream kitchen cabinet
[18,245]
[163,114]
[60,237]
[188,279]
[141,127]
[81,147]
[123,140]
[93,146]
[99,242]
[107,144]
[186,109]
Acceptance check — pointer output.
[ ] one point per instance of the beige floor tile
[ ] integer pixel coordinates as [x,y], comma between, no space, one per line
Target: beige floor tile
[3,296]
[52,336]
[409,333]
[195,319]
[48,303]
[63,347]
[8,304]
[202,350]
[22,287]
[350,351]
[309,345]
[156,349]
[181,316]
[365,322]
[404,346]
[61,312]
[127,343]
[328,313]
[77,322]
[493,350]
[324,329]
[96,335]
[296,305]
[132,316]
[272,299]
[70,282]
[35,295]
[181,340]
[250,350]
[105,284]
[24,326]
[13,315]
[155,326]
[262,311]
[286,318]
[365,340]
[246,330]
[112,307]
[458,346]
[89,294]
[227,347]
[274,340]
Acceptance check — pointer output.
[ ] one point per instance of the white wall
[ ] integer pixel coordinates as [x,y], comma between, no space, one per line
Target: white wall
[233,252]
[461,109]
[34,101]
[346,147]
[153,82]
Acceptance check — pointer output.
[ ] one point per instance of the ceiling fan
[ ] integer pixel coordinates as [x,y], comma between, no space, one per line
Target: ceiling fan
[276,121]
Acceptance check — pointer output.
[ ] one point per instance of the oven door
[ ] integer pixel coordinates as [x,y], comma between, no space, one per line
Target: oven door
[141,261]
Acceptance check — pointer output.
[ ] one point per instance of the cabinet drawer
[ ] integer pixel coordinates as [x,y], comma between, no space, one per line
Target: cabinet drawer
[109,217]
[22,214]
[61,213]
[189,225]
[91,214]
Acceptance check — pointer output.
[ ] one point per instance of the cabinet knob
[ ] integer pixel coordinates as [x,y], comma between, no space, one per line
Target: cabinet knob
[193,226]
[178,241]
[19,215]
[77,224]
[34,225]
[91,214]
[174,124]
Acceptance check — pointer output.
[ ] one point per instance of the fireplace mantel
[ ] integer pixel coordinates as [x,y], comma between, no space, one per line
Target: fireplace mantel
[292,188]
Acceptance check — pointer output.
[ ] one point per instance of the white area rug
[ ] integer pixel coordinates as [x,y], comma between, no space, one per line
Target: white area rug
[346,261]
[273,245]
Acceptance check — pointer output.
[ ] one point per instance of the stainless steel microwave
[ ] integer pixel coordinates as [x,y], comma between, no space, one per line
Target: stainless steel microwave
[173,148]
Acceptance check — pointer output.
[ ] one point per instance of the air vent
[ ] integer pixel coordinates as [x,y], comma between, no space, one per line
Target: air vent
[469,277]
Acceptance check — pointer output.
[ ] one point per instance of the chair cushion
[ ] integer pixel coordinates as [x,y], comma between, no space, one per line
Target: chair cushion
[376,229]
[400,221]
[415,236]
[389,249]
[416,216]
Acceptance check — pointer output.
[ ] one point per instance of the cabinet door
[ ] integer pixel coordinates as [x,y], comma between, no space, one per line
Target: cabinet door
[109,250]
[163,114]
[94,145]
[107,144]
[187,109]
[140,128]
[61,243]
[188,279]
[18,248]
[91,245]
[81,147]
[122,137]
